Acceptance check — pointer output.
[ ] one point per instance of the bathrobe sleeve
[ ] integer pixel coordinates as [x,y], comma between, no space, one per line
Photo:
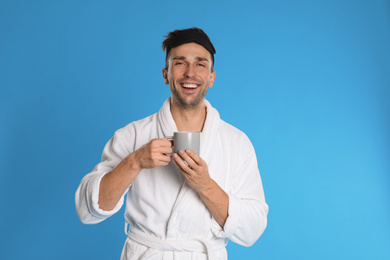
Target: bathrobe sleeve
[247,213]
[87,194]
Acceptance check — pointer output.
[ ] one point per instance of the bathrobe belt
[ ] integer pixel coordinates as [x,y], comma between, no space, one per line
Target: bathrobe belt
[157,245]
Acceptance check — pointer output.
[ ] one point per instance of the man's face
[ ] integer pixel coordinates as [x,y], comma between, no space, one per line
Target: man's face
[189,74]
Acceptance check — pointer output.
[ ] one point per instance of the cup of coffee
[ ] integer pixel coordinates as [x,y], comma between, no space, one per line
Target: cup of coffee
[186,140]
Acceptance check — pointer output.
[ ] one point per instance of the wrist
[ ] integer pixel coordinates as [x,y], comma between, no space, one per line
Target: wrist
[133,163]
[207,190]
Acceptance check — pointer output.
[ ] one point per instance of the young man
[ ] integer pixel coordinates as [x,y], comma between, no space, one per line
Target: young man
[186,205]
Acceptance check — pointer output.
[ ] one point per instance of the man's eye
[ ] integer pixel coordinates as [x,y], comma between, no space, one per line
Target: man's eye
[201,65]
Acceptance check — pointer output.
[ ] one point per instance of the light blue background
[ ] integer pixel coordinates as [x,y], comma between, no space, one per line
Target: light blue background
[307,81]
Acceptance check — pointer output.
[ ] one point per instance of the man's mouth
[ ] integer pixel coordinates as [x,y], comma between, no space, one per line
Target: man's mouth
[189,85]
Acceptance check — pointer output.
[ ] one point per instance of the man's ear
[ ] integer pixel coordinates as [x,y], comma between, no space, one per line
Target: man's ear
[165,76]
[212,78]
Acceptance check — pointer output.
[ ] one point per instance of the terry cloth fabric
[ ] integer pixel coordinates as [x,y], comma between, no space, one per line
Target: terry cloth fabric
[156,245]
[159,202]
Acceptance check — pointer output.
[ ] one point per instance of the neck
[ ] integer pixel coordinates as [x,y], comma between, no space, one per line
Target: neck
[189,119]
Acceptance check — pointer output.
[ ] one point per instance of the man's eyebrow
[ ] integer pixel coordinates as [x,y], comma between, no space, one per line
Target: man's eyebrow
[184,58]
[179,58]
[202,59]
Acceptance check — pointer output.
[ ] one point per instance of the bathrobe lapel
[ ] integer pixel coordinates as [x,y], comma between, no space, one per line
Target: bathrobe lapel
[209,136]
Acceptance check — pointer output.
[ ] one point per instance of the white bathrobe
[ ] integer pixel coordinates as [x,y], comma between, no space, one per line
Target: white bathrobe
[167,218]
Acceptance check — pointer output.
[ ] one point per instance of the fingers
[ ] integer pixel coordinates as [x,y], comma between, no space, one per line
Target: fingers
[161,143]
[161,146]
[182,166]
[187,160]
[191,157]
[193,168]
[155,153]
[162,155]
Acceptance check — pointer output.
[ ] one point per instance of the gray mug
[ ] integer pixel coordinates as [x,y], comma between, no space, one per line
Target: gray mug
[186,140]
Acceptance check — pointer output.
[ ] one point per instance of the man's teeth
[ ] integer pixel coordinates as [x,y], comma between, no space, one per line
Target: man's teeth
[190,85]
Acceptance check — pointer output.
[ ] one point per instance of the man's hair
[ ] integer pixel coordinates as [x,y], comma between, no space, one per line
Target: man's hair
[167,43]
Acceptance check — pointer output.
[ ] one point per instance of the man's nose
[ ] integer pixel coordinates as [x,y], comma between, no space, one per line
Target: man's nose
[189,72]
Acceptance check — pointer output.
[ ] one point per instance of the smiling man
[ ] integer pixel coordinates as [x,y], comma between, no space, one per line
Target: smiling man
[187,205]
[189,68]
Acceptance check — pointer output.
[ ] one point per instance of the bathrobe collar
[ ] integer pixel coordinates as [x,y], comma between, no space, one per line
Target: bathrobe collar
[210,129]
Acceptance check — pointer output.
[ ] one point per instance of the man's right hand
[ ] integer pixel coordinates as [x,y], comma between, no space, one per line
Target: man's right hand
[154,154]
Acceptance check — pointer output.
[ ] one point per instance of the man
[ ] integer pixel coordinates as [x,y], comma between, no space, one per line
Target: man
[183,206]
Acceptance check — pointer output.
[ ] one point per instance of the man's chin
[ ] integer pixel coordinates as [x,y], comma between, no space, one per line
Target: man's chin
[188,101]
[189,104]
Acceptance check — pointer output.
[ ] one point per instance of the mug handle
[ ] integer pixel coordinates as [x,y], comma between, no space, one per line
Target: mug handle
[170,138]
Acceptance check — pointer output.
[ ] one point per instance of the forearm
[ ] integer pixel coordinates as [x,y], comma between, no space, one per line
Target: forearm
[115,183]
[217,201]
[195,171]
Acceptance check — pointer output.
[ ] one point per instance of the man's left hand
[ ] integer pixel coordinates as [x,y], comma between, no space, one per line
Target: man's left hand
[196,173]
[194,170]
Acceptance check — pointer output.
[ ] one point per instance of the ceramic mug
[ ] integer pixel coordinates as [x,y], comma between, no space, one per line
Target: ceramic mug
[185,140]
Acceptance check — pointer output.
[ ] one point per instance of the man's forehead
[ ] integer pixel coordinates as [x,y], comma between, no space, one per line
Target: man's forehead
[190,50]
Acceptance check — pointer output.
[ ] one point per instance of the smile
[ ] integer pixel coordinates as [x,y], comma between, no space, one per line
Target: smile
[189,85]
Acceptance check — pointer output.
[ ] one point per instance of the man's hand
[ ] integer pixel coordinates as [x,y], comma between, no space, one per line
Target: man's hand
[196,173]
[154,154]
[194,169]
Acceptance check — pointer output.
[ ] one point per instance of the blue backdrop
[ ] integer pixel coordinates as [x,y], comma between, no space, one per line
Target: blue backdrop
[308,81]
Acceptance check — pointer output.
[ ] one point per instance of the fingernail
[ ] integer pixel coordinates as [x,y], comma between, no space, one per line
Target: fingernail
[181,152]
[188,151]
[174,156]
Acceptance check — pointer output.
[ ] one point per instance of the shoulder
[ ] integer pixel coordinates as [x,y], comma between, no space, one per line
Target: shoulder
[137,126]
[229,133]
[235,136]
[225,129]
[232,131]
[127,136]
